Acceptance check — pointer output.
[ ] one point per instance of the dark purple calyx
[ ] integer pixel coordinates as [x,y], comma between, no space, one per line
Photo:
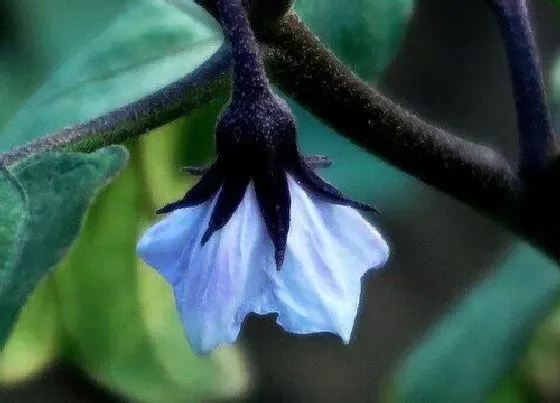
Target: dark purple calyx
[255,142]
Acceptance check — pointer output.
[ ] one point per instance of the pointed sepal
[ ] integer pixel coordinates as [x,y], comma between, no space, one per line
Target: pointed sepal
[207,187]
[273,196]
[315,184]
[230,196]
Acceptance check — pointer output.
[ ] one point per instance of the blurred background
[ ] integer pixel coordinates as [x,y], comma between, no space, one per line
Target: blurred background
[102,327]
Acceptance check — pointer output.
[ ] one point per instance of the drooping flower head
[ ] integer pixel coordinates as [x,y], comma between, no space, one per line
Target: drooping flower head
[261,232]
[263,154]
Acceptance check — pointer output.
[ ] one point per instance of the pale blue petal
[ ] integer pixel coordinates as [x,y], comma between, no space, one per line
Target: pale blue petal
[163,245]
[330,248]
[218,284]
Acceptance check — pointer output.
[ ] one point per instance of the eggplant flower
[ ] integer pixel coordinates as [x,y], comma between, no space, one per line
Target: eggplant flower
[263,235]
[261,232]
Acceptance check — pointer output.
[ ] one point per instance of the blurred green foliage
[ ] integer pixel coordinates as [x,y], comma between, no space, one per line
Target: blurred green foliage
[513,389]
[34,340]
[36,37]
[466,355]
[364,33]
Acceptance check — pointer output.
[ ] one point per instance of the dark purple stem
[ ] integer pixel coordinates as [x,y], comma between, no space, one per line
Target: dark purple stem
[536,135]
[249,75]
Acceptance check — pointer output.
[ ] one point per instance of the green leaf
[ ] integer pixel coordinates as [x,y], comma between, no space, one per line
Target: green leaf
[118,316]
[39,37]
[41,206]
[470,351]
[363,33]
[14,218]
[148,46]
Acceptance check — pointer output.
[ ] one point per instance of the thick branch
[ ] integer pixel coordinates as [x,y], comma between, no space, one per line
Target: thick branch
[312,75]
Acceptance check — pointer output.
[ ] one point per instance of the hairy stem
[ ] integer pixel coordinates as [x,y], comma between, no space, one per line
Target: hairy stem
[172,102]
[249,75]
